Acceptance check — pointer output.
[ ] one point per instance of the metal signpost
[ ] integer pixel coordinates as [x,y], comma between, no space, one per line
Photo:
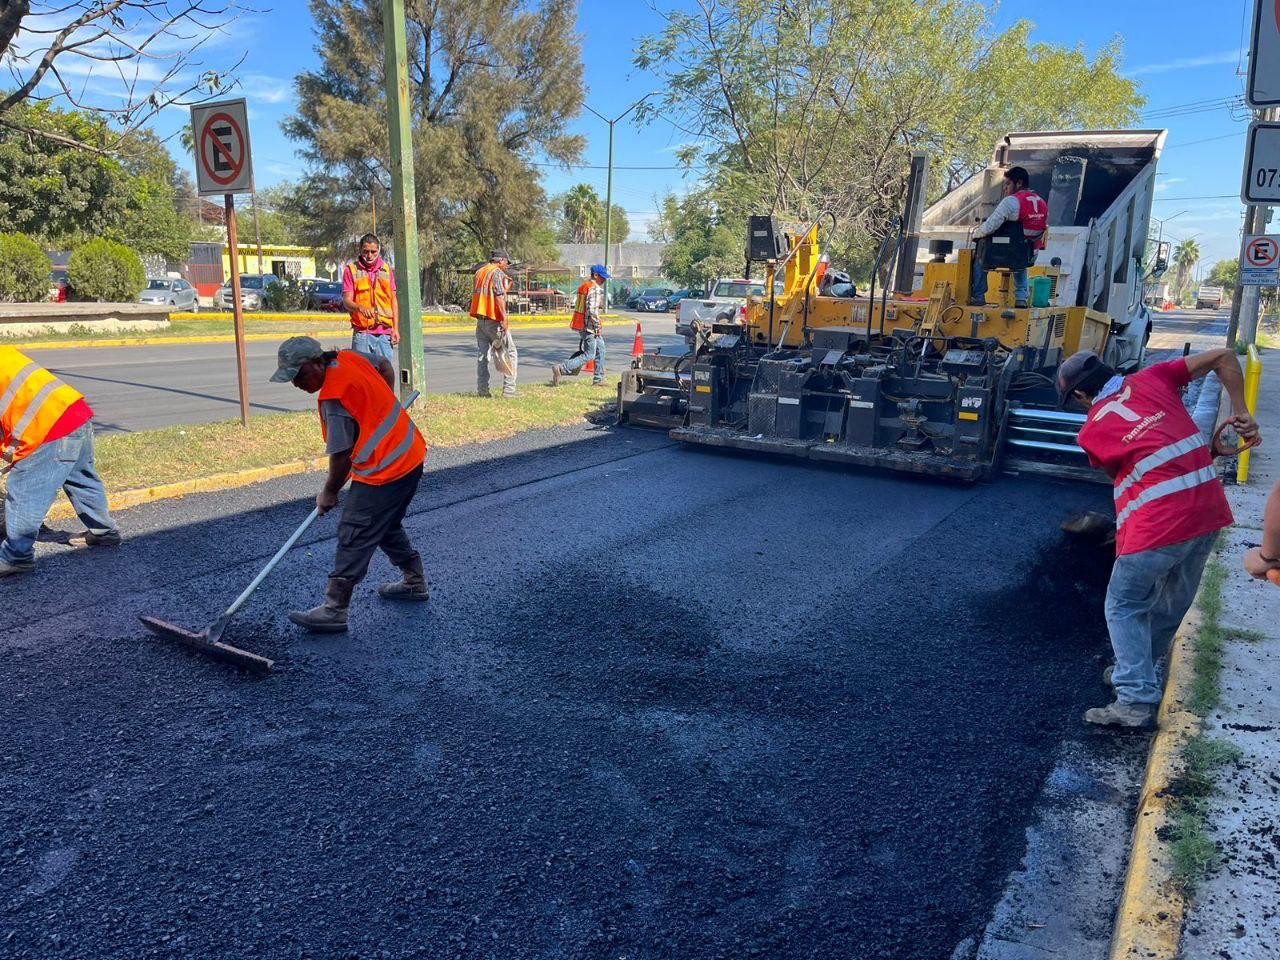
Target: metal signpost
[224,166]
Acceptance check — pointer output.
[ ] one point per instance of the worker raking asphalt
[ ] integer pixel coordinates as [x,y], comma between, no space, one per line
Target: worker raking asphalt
[664,703]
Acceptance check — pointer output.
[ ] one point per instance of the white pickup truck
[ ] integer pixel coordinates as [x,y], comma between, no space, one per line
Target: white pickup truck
[725,302]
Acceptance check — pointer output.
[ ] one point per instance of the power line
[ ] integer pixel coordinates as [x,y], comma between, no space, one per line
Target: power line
[1191,143]
[1216,196]
[597,166]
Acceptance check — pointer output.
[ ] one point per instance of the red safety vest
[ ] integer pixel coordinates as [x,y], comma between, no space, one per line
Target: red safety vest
[579,321]
[1166,486]
[389,445]
[1033,214]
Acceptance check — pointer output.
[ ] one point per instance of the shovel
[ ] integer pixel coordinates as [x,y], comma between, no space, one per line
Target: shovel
[209,640]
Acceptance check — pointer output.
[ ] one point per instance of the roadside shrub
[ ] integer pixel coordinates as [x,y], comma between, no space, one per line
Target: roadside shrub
[24,269]
[106,271]
[285,295]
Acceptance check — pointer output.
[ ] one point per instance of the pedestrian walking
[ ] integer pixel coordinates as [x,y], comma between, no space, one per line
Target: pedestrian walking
[369,293]
[586,320]
[1169,503]
[46,445]
[493,329]
[369,438]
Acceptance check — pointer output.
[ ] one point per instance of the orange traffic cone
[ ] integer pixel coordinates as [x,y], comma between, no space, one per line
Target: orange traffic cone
[590,367]
[637,346]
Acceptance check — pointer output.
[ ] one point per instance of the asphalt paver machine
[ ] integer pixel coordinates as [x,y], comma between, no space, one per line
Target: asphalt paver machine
[913,378]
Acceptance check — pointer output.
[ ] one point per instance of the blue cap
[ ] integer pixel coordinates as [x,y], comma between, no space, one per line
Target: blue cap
[599,270]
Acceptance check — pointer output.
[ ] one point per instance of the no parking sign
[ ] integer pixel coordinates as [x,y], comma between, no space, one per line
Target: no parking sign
[1260,261]
[223,163]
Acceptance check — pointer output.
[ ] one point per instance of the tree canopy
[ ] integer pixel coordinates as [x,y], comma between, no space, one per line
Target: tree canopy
[579,216]
[493,87]
[796,106]
[1225,273]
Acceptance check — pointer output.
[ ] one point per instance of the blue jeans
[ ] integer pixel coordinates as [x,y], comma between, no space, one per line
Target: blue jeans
[374,344]
[1149,594]
[65,464]
[592,348]
[978,283]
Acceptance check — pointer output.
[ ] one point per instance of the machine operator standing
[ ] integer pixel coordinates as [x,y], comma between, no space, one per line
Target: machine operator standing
[1022,216]
[1169,503]
[586,320]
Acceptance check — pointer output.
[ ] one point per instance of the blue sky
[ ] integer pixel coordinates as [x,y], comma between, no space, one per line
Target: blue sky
[1182,55]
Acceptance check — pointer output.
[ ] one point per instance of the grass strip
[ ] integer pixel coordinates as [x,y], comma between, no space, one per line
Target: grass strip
[149,458]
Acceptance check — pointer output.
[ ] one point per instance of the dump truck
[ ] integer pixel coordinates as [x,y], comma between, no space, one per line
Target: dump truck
[911,377]
[1208,298]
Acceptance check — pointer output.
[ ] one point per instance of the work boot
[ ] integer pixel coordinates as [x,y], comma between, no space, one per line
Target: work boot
[88,538]
[484,393]
[977,303]
[1020,304]
[330,616]
[413,585]
[1131,715]
[555,374]
[9,568]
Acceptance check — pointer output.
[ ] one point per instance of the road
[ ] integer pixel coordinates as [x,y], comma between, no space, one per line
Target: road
[144,387]
[664,703]
[1203,329]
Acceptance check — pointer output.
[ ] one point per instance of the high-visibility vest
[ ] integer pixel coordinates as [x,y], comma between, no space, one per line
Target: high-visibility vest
[371,291]
[32,401]
[1033,214]
[579,321]
[389,445]
[1166,486]
[489,301]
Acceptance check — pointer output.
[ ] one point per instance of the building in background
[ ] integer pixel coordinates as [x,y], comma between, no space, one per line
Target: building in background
[629,263]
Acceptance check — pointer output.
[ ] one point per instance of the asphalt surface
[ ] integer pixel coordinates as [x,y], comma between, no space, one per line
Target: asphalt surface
[144,387]
[664,703]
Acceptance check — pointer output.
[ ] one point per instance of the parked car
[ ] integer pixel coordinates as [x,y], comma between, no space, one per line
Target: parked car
[651,299]
[176,293]
[726,301]
[251,287]
[59,286]
[322,295]
[673,301]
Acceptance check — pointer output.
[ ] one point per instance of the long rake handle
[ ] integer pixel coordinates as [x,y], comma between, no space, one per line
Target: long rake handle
[271,565]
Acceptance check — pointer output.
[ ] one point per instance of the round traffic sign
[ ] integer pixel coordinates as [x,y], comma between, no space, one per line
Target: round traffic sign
[222,151]
[1262,252]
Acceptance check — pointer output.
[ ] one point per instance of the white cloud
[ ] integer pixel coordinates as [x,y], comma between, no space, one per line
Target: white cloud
[1187,63]
[260,88]
[1166,184]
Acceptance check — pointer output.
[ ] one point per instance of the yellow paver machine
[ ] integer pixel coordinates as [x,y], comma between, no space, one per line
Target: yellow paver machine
[912,377]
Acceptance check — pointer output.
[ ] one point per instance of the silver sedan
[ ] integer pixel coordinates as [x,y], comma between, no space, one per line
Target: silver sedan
[175,292]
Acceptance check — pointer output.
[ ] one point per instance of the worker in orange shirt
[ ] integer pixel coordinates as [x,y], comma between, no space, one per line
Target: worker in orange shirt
[369,438]
[493,330]
[369,293]
[46,445]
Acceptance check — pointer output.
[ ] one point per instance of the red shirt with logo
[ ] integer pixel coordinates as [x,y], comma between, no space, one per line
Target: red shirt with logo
[1166,486]
[1033,214]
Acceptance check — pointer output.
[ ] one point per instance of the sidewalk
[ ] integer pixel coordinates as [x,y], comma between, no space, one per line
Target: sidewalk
[1236,913]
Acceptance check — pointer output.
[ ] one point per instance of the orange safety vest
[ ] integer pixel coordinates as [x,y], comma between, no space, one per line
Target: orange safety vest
[32,401]
[371,292]
[389,445]
[489,301]
[579,321]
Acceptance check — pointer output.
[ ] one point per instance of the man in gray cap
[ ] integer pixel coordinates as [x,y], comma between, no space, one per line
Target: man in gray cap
[1169,503]
[493,330]
[371,440]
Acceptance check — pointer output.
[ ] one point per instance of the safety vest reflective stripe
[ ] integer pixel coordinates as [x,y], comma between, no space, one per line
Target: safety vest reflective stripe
[15,385]
[32,409]
[386,426]
[391,457]
[1164,488]
[1161,456]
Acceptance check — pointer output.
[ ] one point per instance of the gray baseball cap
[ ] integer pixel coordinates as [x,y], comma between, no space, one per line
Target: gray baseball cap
[294,352]
[498,253]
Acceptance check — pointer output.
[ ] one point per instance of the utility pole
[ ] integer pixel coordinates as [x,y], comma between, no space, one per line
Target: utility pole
[608,192]
[257,230]
[413,374]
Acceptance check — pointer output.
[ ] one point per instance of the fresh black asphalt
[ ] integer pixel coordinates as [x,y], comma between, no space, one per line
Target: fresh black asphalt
[664,703]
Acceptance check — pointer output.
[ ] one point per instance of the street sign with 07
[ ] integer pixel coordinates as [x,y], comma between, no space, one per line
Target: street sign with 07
[1262,164]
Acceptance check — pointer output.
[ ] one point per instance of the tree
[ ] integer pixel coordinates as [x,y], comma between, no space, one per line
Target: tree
[700,244]
[143,56]
[1225,273]
[580,217]
[492,88]
[69,178]
[796,106]
[1185,257]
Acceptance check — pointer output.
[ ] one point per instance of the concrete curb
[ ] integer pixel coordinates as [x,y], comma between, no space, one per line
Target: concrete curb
[218,481]
[1152,909]
[227,338]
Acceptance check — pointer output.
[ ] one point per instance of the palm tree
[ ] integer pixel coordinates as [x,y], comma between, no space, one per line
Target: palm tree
[582,213]
[1185,257]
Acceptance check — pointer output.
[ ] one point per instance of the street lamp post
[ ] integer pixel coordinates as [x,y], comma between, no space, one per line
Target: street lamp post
[1160,235]
[608,192]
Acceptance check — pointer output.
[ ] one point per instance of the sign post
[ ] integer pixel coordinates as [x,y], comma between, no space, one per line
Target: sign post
[1260,261]
[224,166]
[1264,56]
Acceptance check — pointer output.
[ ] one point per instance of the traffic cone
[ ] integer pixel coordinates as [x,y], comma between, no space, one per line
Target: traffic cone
[590,367]
[637,346]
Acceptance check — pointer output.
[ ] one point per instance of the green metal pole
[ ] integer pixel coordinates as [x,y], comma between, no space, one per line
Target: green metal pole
[413,375]
[608,212]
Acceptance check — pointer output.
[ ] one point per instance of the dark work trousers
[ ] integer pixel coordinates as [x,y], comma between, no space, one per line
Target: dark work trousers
[372,518]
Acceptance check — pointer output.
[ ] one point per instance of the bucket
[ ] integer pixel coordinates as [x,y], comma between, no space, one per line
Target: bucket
[1041,291]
